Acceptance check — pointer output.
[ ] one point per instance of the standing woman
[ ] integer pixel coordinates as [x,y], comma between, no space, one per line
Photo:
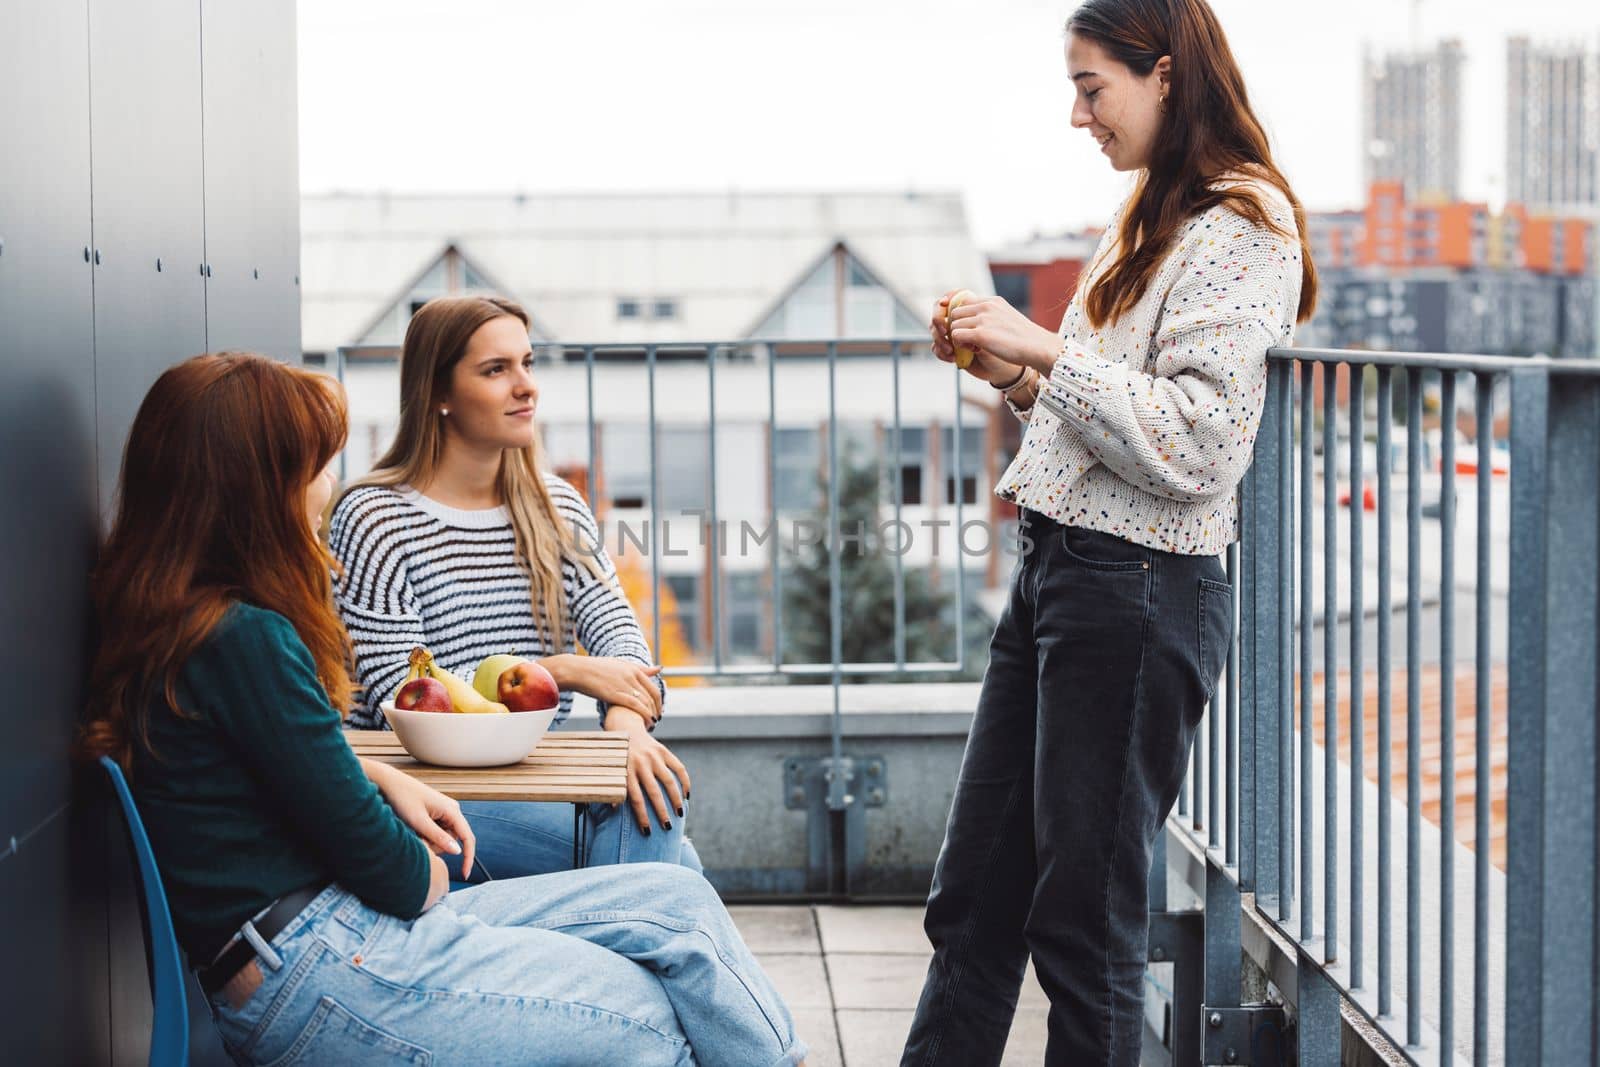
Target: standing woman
[1141,416]
[459,540]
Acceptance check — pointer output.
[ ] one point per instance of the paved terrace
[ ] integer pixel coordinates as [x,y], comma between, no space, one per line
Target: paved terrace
[852,975]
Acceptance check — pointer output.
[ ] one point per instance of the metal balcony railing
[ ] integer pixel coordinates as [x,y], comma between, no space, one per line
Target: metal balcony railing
[1380,923]
[836,789]
[763,357]
[1503,972]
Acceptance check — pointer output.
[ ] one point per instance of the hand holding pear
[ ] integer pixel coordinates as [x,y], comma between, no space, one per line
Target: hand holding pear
[963,355]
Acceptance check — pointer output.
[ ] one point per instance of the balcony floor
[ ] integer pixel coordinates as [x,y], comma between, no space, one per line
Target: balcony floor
[852,975]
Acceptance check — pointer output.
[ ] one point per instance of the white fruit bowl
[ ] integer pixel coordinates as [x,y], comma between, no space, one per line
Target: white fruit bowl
[450,739]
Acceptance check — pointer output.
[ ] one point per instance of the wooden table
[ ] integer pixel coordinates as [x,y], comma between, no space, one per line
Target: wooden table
[573,767]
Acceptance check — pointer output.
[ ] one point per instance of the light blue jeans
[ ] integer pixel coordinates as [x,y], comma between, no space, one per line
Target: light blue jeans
[577,968]
[517,839]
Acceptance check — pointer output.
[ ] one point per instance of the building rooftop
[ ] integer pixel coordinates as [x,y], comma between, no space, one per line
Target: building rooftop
[725,261]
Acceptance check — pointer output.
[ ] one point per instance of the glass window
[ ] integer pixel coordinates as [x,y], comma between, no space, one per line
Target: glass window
[684,465]
[813,309]
[820,278]
[809,314]
[743,634]
[741,471]
[906,324]
[392,326]
[798,453]
[625,454]
[868,312]
[1016,289]
[665,309]
[745,614]
[627,309]
[971,462]
[913,457]
[686,593]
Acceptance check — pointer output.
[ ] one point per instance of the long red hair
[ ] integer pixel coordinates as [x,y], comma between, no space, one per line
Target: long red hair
[1208,132]
[211,509]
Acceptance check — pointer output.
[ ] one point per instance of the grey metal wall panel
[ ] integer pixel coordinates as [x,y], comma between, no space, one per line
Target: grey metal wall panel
[103,150]
[52,939]
[149,308]
[52,923]
[148,207]
[47,425]
[251,178]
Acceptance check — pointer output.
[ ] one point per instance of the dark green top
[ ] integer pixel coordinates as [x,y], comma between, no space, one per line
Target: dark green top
[256,793]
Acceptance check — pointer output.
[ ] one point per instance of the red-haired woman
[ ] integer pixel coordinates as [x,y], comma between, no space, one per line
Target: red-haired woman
[1141,415]
[305,884]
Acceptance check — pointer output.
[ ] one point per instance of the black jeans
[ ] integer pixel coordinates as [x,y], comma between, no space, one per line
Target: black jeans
[1099,670]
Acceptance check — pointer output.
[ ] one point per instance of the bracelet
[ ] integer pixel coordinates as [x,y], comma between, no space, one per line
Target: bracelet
[1029,380]
[1029,386]
[1021,374]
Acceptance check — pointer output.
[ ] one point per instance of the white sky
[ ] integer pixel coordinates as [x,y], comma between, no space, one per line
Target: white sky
[497,95]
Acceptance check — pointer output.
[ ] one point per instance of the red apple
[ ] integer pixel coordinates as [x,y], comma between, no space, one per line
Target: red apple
[527,686]
[423,694]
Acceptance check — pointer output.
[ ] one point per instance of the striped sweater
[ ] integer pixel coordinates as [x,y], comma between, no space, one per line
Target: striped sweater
[416,572]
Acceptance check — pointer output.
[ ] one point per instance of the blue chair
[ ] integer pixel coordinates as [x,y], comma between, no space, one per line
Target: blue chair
[169,1036]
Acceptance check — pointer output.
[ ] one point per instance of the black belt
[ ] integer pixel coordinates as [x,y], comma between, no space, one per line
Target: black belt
[241,952]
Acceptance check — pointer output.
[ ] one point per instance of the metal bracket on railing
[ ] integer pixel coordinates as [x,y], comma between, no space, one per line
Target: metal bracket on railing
[1178,938]
[1253,1035]
[835,796]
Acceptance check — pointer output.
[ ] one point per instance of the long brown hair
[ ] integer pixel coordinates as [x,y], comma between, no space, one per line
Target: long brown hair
[1208,132]
[211,509]
[435,342]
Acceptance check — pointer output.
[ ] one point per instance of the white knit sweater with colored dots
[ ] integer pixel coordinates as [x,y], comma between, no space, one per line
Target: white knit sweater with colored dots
[1145,427]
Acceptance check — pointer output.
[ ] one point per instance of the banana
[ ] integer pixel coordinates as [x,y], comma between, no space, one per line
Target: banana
[963,355]
[463,697]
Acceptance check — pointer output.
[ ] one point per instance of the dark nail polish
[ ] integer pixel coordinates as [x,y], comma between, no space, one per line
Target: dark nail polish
[646,829]
[666,825]
[680,813]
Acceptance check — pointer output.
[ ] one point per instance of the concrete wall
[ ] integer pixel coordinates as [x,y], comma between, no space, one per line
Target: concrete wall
[735,739]
[148,212]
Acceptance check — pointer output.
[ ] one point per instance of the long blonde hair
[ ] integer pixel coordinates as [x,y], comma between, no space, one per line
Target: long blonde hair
[435,342]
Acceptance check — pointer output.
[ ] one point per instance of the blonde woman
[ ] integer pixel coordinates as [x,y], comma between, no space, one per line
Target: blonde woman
[459,540]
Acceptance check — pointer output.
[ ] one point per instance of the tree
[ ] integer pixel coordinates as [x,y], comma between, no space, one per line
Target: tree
[867,584]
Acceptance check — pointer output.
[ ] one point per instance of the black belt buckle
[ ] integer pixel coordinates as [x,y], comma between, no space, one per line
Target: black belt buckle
[216,975]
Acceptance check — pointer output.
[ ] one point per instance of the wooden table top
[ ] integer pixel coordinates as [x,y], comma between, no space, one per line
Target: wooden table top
[567,766]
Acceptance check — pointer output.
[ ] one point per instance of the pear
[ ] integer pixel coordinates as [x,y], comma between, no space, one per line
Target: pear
[486,679]
[963,355]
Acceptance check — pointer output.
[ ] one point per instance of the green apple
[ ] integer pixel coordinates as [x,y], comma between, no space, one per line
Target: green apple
[486,679]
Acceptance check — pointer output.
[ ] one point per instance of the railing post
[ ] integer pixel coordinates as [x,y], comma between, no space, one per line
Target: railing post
[1318,1026]
[1261,719]
[1554,603]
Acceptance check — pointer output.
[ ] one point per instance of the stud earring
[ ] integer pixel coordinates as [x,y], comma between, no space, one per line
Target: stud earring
[444,411]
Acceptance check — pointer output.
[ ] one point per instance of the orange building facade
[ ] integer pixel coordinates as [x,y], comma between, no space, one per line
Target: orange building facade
[1390,231]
